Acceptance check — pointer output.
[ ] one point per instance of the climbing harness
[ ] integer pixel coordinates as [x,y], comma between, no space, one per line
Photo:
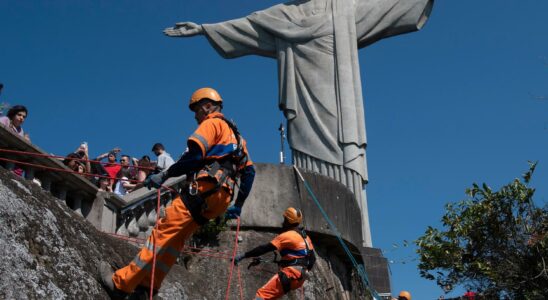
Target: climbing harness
[302,264]
[307,261]
[224,172]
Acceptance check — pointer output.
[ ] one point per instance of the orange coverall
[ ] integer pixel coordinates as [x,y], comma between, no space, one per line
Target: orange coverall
[291,245]
[216,141]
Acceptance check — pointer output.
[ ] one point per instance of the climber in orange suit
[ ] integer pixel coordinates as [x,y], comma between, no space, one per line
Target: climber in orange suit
[215,159]
[297,253]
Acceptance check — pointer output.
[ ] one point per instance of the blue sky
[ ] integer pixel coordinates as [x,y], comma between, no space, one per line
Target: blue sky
[456,103]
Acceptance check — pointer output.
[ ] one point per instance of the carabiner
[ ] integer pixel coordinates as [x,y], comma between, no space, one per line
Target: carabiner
[193,188]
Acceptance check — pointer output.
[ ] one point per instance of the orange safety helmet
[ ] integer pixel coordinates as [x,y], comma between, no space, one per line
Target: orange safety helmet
[205,93]
[293,216]
[405,294]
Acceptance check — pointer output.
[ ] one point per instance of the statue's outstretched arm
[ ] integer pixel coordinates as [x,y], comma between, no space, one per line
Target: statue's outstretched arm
[232,38]
[184,29]
[379,19]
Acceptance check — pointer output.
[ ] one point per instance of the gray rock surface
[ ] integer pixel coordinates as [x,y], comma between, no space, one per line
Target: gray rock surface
[49,252]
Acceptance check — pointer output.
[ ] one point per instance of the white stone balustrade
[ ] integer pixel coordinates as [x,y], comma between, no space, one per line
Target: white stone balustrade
[53,176]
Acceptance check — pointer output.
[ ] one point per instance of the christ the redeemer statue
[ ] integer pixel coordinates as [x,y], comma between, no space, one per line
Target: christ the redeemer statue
[316,44]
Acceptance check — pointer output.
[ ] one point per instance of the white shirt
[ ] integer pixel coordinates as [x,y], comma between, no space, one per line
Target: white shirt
[120,189]
[165,161]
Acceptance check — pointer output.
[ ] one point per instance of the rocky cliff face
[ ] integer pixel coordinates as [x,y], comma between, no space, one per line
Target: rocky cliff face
[49,252]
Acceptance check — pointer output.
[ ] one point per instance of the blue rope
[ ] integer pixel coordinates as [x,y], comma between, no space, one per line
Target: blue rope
[360,269]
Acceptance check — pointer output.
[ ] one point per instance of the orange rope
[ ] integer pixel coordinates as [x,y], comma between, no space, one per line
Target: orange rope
[233,257]
[186,249]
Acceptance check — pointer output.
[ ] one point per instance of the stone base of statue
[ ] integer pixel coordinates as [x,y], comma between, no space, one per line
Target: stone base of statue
[348,177]
[278,186]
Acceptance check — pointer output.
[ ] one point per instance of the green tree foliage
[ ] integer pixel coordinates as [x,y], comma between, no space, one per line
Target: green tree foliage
[494,241]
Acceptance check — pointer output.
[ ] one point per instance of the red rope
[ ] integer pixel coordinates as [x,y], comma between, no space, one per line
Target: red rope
[51,168]
[257,269]
[126,238]
[64,157]
[223,257]
[220,256]
[69,170]
[191,250]
[207,250]
[233,257]
[60,170]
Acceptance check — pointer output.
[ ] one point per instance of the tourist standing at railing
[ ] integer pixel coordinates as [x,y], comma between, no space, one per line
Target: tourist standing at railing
[112,168]
[72,161]
[125,162]
[78,161]
[144,167]
[104,184]
[83,152]
[123,183]
[14,120]
[81,168]
[90,166]
[164,159]
[125,177]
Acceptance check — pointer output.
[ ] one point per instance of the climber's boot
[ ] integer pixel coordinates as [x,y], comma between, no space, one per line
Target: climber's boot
[105,275]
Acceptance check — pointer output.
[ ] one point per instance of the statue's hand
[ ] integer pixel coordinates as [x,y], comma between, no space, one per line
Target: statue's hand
[184,29]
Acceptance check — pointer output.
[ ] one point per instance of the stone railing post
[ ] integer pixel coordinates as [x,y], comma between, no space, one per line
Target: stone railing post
[10,166]
[29,173]
[122,230]
[62,193]
[78,204]
[132,227]
[46,183]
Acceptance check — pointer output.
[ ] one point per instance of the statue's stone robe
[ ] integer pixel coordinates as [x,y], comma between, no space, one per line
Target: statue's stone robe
[316,45]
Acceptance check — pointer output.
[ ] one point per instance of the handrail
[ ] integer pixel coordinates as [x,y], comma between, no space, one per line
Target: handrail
[8,139]
[142,195]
